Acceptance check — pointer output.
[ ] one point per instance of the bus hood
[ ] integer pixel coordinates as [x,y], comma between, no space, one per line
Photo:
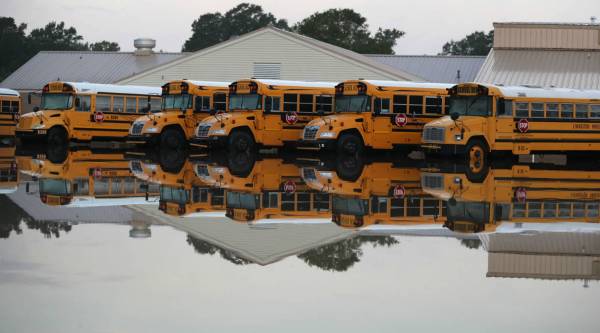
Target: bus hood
[335,119]
[441,122]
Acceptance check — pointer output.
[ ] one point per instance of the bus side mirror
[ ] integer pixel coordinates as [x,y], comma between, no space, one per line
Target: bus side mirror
[36,108]
[77,102]
[454,116]
[29,98]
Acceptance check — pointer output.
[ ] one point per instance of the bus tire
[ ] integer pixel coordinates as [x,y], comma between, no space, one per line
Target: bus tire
[57,137]
[350,143]
[172,138]
[240,141]
[476,158]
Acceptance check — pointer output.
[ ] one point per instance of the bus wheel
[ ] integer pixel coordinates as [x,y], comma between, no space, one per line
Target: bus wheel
[350,143]
[57,137]
[477,160]
[241,141]
[172,138]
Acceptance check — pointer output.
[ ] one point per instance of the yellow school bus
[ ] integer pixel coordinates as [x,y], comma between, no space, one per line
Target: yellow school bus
[181,191]
[9,175]
[184,104]
[484,118]
[519,194]
[377,114]
[266,112]
[10,110]
[378,193]
[87,111]
[87,179]
[268,189]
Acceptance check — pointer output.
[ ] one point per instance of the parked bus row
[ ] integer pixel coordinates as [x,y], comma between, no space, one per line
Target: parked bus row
[470,118]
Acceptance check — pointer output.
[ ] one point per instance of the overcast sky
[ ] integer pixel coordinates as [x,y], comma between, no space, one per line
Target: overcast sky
[428,24]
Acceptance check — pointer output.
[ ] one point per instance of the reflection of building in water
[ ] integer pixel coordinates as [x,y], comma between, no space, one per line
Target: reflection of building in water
[551,255]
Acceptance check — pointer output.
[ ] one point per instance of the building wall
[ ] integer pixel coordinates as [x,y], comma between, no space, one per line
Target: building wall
[547,36]
[235,60]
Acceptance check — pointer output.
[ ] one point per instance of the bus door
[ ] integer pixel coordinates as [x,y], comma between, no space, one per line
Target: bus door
[505,126]
[273,119]
[380,124]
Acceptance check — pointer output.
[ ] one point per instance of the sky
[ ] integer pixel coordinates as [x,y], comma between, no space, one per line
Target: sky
[428,24]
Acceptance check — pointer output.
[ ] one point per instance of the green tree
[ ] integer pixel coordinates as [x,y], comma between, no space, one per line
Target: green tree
[348,29]
[212,28]
[55,37]
[13,45]
[477,43]
[105,46]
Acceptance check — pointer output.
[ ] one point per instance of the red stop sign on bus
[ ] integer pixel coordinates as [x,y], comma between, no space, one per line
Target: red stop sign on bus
[400,119]
[521,194]
[289,187]
[99,117]
[291,118]
[523,125]
[399,192]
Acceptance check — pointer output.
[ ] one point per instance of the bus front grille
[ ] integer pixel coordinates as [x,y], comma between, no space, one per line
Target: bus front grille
[310,132]
[136,128]
[432,182]
[203,131]
[434,134]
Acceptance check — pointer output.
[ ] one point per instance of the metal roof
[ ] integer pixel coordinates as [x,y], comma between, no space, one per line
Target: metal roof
[408,84]
[545,68]
[90,66]
[295,83]
[114,89]
[442,69]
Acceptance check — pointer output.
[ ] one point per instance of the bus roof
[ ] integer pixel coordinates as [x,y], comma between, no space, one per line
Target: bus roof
[87,201]
[545,92]
[407,84]
[306,84]
[8,92]
[87,87]
[208,83]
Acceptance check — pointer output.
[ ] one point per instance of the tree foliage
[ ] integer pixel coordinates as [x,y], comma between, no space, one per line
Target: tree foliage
[477,43]
[212,28]
[105,46]
[13,44]
[348,29]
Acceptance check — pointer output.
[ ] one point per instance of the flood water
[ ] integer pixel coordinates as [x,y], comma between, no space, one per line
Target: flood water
[146,241]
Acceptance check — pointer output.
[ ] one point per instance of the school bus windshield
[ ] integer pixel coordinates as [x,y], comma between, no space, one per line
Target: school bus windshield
[242,200]
[180,102]
[177,195]
[55,186]
[245,102]
[471,105]
[360,103]
[56,101]
[350,206]
[477,212]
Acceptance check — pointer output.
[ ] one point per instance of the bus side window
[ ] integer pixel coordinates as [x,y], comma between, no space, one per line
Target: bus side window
[416,105]
[270,199]
[397,207]
[446,104]
[155,104]
[566,110]
[537,110]
[303,201]
[290,102]
[501,212]
[202,104]
[382,105]
[324,103]
[5,106]
[581,111]
[504,107]
[433,104]
[118,103]
[102,103]
[321,201]
[131,104]
[84,103]
[379,204]
[551,110]
[400,103]
[595,111]
[306,103]
[219,102]
[522,110]
[287,201]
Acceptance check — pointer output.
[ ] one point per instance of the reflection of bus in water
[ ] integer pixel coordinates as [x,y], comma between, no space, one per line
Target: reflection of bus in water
[266,189]
[86,179]
[10,109]
[181,191]
[9,174]
[519,194]
[376,193]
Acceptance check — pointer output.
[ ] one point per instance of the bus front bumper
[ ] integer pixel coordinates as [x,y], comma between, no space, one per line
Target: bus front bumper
[140,139]
[327,144]
[31,134]
[443,149]
[210,141]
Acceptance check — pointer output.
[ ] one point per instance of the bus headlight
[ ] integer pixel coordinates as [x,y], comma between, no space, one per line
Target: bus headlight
[38,126]
[217,132]
[152,130]
[458,137]
[327,135]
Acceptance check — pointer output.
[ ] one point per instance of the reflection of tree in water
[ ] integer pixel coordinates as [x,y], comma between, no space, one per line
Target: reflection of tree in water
[471,243]
[203,247]
[13,215]
[342,255]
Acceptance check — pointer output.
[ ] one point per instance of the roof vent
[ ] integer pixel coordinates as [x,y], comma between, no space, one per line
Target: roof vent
[144,46]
